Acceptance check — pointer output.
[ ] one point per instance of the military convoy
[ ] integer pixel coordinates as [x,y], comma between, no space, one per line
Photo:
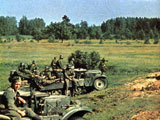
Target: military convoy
[47,96]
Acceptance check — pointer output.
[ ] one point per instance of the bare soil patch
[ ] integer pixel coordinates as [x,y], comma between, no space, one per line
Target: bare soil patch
[148,86]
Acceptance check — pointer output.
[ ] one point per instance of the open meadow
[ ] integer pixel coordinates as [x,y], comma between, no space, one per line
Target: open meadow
[127,60]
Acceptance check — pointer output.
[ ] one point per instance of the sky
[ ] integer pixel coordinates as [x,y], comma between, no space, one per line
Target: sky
[92,11]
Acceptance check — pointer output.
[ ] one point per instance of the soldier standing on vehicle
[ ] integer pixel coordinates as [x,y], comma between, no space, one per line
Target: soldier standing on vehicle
[12,101]
[102,65]
[59,62]
[53,65]
[72,63]
[69,76]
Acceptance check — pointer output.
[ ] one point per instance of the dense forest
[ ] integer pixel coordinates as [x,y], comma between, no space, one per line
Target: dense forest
[118,28]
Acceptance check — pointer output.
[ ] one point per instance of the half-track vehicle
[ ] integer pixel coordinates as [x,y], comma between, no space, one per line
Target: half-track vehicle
[87,80]
[50,107]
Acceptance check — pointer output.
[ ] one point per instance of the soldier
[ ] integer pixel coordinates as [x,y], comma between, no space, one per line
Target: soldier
[72,56]
[54,67]
[42,80]
[60,68]
[47,74]
[59,62]
[70,76]
[36,70]
[32,66]
[12,101]
[72,63]
[53,63]
[102,65]
[21,67]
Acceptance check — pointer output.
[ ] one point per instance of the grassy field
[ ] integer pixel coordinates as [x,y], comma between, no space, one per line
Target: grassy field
[126,61]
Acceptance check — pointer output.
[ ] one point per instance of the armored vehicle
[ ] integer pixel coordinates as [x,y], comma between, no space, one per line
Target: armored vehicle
[50,107]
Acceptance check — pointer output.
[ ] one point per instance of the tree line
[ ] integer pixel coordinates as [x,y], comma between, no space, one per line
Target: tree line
[118,28]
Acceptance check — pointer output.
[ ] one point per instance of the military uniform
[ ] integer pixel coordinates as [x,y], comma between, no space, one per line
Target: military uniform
[102,65]
[33,66]
[70,76]
[53,63]
[59,62]
[54,67]
[72,63]
[46,77]
[21,67]
[12,104]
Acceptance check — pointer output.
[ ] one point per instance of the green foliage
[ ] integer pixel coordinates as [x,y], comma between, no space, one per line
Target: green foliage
[30,27]
[8,39]
[156,37]
[51,39]
[31,40]
[84,59]
[37,35]
[156,41]
[87,42]
[130,28]
[19,38]
[76,41]
[1,41]
[101,41]
[118,28]
[70,44]
[8,25]
[146,41]
[116,41]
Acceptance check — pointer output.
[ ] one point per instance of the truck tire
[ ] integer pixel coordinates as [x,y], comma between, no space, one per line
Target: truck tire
[100,84]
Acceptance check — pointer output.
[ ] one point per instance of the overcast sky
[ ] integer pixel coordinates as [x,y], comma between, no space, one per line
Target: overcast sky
[92,11]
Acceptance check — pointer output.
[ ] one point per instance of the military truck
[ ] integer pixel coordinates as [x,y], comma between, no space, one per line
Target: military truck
[50,107]
[87,80]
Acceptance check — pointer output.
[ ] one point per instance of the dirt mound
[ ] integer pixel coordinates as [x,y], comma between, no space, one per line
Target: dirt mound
[154,75]
[147,115]
[149,83]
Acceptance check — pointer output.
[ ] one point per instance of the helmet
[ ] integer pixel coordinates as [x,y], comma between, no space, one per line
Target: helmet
[103,59]
[60,57]
[26,66]
[46,67]
[12,72]
[33,62]
[15,79]
[21,64]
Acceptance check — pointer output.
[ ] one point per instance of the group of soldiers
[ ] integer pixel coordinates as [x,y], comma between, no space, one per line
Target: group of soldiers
[11,97]
[55,72]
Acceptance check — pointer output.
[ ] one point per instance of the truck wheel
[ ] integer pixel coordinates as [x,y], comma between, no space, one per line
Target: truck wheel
[100,84]
[77,118]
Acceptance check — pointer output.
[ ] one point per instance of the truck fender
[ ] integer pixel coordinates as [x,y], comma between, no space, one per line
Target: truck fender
[3,117]
[79,111]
